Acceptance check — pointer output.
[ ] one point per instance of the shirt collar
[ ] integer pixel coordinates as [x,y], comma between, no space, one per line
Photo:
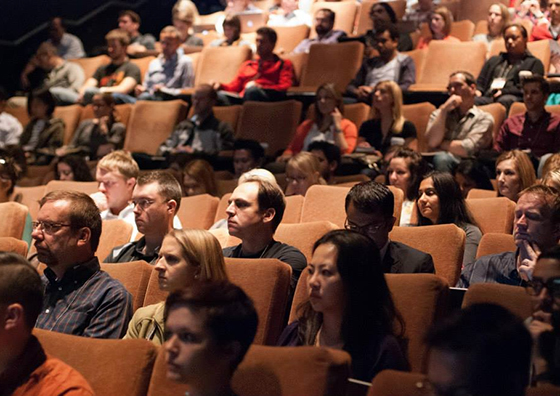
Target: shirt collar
[79,273]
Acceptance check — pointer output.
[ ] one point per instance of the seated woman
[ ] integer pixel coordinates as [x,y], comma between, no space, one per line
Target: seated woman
[100,135]
[72,168]
[440,202]
[327,124]
[440,27]
[387,126]
[498,18]
[232,33]
[514,173]
[186,257]
[44,133]
[349,306]
[198,178]
[405,171]
[470,174]
[303,171]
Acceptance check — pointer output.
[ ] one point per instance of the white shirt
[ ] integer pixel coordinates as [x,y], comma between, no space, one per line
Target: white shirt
[295,18]
[10,130]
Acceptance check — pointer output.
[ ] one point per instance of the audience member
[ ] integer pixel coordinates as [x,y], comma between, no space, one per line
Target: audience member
[529,10]
[500,78]
[324,24]
[265,79]
[420,14]
[222,321]
[96,137]
[247,155]
[10,127]
[405,171]
[25,368]
[198,178]
[183,20]
[458,129]
[302,171]
[551,163]
[9,175]
[536,229]
[329,158]
[381,15]
[440,201]
[387,126]
[182,5]
[440,28]
[80,299]
[118,77]
[548,28]
[129,22]
[552,179]
[498,19]
[390,65]
[67,45]
[327,124]
[369,210]
[514,173]
[72,168]
[202,132]
[241,7]
[232,34]
[186,257]
[480,350]
[288,14]
[156,199]
[470,174]
[44,134]
[255,210]
[349,306]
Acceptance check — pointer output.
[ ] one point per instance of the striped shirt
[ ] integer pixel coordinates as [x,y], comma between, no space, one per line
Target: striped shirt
[85,302]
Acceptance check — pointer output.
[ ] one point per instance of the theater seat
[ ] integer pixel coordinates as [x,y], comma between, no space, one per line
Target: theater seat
[493,214]
[13,216]
[229,114]
[519,108]
[292,213]
[134,276]
[220,63]
[123,112]
[498,113]
[85,187]
[90,65]
[20,113]
[477,193]
[540,49]
[114,233]
[290,36]
[345,11]
[30,197]
[398,383]
[494,243]
[325,203]
[303,235]
[418,56]
[198,211]
[71,116]
[513,298]
[143,64]
[14,245]
[463,30]
[419,115]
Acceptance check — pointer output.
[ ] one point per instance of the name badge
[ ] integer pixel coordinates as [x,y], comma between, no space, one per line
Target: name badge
[497,84]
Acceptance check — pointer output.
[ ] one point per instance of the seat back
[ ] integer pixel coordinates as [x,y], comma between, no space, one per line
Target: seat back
[463,30]
[14,245]
[543,390]
[153,293]
[419,115]
[303,235]
[513,298]
[519,108]
[71,116]
[325,203]
[90,65]
[273,123]
[85,187]
[398,196]
[143,64]
[198,211]
[290,371]
[290,36]
[475,11]
[477,193]
[30,197]
[444,242]
[151,123]
[114,233]
[299,62]
[494,243]
[229,114]
[540,50]
[345,11]
[220,63]
[493,214]
[20,113]
[123,112]
[134,276]
[498,113]
[398,383]
[418,56]
[13,217]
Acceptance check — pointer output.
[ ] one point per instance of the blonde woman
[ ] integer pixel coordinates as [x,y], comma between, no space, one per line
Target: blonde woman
[440,27]
[387,126]
[303,171]
[185,257]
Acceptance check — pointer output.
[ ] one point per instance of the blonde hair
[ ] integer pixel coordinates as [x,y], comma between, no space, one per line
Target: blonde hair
[170,31]
[185,8]
[258,173]
[523,165]
[552,179]
[201,249]
[119,161]
[331,90]
[119,35]
[505,15]
[551,163]
[307,164]
[396,108]
[202,172]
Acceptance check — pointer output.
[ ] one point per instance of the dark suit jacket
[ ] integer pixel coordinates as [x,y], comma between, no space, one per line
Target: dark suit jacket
[402,259]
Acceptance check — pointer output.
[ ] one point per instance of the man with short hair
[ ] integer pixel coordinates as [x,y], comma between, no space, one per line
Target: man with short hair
[170,73]
[80,299]
[129,22]
[536,229]
[369,211]
[247,154]
[324,24]
[255,210]
[550,29]
[390,65]
[25,369]
[10,127]
[480,350]
[203,132]
[458,129]
[329,158]
[67,45]
[156,200]
[118,77]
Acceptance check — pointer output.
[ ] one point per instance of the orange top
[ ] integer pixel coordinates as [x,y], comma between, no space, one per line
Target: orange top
[424,41]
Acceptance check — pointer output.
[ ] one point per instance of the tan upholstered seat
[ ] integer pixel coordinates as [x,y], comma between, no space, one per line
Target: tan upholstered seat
[14,245]
[419,115]
[345,11]
[229,114]
[90,65]
[493,214]
[463,30]
[20,113]
[519,108]
[543,390]
[357,178]
[498,113]
[143,64]
[477,193]
[418,56]
[13,216]
[71,116]
[85,187]
[475,11]
[134,276]
[325,203]
[198,211]
[398,195]
[123,112]
[220,63]
[513,298]
[398,383]
[290,36]
[494,243]
[114,233]
[299,62]
[30,197]
[303,235]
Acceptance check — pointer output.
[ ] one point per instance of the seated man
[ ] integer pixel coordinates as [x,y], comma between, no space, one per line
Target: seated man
[129,22]
[458,129]
[289,14]
[247,155]
[156,200]
[390,65]
[500,78]
[80,299]
[481,350]
[118,77]
[67,45]
[369,211]
[548,28]
[222,321]
[169,73]
[203,132]
[328,155]
[25,369]
[265,79]
[324,24]
[537,132]
[536,229]
[420,13]
[10,127]
[255,210]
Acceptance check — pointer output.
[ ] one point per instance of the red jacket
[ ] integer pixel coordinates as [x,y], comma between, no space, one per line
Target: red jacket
[276,74]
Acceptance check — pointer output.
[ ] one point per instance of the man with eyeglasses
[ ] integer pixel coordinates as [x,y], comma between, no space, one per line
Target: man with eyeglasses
[369,211]
[156,200]
[80,299]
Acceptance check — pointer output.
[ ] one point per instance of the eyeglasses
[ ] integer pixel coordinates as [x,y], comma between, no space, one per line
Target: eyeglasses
[48,226]
[535,288]
[367,229]
[143,203]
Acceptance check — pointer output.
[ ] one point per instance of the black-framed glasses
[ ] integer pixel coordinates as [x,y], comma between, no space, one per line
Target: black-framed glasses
[366,229]
[535,287]
[49,227]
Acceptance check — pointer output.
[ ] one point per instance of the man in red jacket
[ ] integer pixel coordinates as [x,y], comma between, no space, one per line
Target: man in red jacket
[264,79]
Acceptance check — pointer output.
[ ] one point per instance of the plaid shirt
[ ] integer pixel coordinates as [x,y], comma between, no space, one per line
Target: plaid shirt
[85,302]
